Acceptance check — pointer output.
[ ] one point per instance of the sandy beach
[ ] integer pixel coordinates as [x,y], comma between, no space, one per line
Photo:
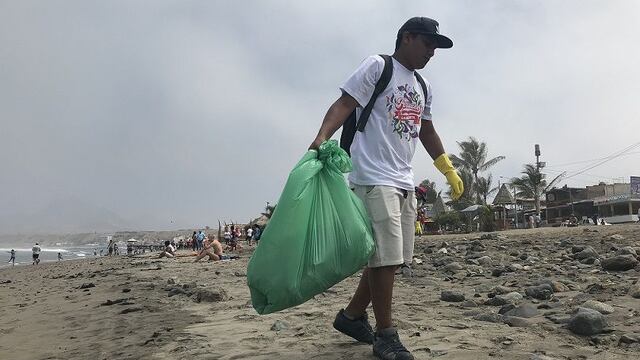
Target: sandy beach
[148,308]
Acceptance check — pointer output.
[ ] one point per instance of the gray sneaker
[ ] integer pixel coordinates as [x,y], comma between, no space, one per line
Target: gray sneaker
[359,329]
[388,346]
[407,272]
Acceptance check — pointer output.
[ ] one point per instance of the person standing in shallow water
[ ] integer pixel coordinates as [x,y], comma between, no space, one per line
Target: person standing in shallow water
[12,259]
[382,175]
[35,254]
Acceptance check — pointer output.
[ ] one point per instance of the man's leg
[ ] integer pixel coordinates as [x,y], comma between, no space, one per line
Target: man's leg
[409,214]
[384,208]
[381,285]
[361,299]
[200,256]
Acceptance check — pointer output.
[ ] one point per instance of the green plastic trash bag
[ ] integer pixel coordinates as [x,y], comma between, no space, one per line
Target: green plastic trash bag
[318,235]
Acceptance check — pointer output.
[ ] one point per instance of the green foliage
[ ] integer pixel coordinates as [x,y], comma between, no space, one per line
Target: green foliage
[487,222]
[450,220]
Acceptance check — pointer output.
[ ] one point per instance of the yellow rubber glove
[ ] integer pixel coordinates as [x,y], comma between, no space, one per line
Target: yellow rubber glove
[444,165]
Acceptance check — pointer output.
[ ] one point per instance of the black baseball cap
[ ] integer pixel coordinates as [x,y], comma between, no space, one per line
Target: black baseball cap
[426,26]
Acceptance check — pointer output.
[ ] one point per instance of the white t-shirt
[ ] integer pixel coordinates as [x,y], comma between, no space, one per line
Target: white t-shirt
[249,232]
[36,250]
[382,154]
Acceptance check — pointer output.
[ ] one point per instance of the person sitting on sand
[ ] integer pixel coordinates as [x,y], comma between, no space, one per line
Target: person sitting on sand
[169,250]
[212,248]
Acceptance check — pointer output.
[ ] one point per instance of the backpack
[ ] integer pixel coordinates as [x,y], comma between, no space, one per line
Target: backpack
[351,125]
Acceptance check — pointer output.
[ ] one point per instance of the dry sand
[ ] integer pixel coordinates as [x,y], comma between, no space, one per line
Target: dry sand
[128,313]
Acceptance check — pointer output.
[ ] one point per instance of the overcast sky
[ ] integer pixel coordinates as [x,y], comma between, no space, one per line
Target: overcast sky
[175,114]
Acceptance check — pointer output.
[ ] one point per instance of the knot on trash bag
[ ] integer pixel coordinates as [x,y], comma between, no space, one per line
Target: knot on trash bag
[333,156]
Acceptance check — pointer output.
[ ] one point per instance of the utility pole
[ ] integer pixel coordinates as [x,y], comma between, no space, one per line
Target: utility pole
[538,166]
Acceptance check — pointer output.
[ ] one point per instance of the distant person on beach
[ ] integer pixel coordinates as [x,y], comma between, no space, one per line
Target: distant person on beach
[257,232]
[382,175]
[110,247]
[573,220]
[200,240]
[249,235]
[194,239]
[233,244]
[12,259]
[169,251]
[60,256]
[35,253]
[211,248]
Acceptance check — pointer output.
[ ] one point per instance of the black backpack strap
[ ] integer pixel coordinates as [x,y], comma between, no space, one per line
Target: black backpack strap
[382,83]
[424,86]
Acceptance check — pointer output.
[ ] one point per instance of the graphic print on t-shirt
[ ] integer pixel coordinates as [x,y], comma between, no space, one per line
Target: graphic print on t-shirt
[404,109]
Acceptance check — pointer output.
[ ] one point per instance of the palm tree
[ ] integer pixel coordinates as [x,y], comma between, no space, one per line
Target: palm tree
[532,184]
[268,210]
[484,189]
[473,157]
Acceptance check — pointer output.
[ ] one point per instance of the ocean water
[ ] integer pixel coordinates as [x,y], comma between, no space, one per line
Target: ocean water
[48,254]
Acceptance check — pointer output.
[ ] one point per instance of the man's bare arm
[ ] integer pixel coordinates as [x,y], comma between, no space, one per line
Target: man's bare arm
[430,139]
[335,117]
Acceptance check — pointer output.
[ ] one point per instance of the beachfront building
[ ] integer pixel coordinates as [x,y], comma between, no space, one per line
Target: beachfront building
[566,201]
[612,202]
[618,208]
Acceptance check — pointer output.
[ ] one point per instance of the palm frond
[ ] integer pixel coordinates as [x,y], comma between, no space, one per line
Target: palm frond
[491,162]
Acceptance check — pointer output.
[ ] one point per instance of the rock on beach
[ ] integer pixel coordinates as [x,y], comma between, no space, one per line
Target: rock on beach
[587,322]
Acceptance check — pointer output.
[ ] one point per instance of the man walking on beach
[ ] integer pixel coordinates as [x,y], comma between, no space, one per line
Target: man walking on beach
[200,239]
[12,259]
[382,175]
[35,251]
